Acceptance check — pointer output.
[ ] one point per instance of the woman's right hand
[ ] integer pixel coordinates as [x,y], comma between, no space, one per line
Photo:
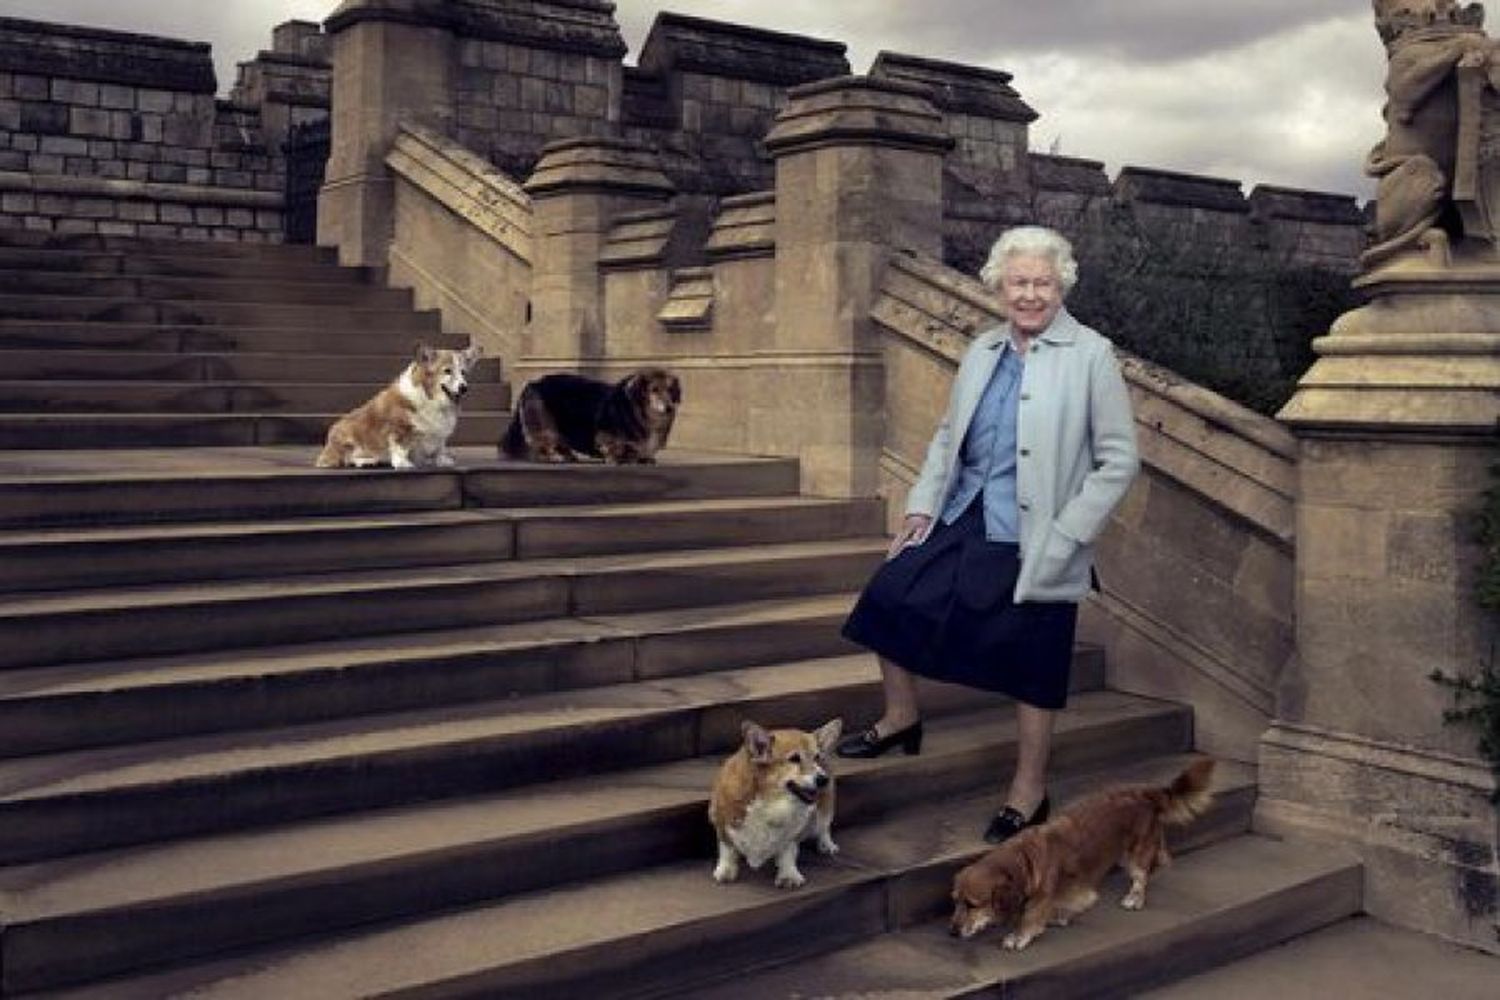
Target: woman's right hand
[913,531]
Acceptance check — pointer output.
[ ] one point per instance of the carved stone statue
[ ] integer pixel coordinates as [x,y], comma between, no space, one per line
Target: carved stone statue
[1439,163]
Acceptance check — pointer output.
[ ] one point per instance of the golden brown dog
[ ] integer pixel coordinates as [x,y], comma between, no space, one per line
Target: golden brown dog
[561,416]
[1051,873]
[773,793]
[407,424]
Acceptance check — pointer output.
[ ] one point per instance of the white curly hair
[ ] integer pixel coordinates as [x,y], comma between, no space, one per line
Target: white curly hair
[1031,241]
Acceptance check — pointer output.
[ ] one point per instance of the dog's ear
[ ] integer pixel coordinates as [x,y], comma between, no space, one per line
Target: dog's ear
[757,742]
[635,387]
[424,353]
[828,734]
[674,388]
[472,353]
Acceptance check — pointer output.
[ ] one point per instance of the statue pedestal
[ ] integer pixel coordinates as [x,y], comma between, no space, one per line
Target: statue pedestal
[1397,429]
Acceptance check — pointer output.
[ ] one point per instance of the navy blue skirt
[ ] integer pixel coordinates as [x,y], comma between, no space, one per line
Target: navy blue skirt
[943,610]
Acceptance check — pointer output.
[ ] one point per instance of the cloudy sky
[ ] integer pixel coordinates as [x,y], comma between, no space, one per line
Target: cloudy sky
[1265,91]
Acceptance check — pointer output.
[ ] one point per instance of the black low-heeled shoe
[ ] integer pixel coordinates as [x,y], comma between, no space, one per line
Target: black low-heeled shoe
[869,743]
[1008,822]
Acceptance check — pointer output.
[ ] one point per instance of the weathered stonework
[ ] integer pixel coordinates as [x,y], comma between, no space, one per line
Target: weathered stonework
[119,134]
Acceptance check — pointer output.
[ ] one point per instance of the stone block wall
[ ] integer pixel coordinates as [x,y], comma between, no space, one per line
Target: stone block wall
[289,84]
[119,134]
[527,74]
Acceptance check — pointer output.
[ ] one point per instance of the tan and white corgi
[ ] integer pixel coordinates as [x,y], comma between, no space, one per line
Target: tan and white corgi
[407,424]
[773,793]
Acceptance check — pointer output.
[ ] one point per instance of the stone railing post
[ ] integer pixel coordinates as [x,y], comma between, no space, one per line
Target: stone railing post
[577,190]
[1397,426]
[859,174]
[392,61]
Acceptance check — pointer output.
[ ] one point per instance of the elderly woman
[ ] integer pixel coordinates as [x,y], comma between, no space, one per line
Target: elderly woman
[982,583]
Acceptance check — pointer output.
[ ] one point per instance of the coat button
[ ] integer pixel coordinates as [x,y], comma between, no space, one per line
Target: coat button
[1025,452]
[1025,396]
[1025,506]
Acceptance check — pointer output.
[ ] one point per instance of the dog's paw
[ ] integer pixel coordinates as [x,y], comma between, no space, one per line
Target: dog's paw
[1135,899]
[827,846]
[724,872]
[790,879]
[444,461]
[1015,941]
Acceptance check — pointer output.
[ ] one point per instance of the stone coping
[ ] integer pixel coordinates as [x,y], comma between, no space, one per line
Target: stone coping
[858,111]
[290,59]
[78,53]
[1051,172]
[1296,204]
[586,27]
[955,87]
[682,43]
[110,187]
[466,184]
[1169,187]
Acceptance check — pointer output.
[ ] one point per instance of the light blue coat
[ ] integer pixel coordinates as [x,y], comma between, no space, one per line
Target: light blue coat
[1075,450]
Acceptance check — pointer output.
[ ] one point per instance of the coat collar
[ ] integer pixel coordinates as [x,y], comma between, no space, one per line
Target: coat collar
[1063,330]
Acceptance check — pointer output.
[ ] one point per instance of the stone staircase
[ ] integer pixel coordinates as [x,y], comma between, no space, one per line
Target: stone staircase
[110,342]
[272,731]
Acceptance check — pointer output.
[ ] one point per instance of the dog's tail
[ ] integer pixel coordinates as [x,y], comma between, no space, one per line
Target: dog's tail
[512,442]
[1188,795]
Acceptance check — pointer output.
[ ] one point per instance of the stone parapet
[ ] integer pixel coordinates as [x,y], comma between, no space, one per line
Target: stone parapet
[466,185]
[955,87]
[1167,187]
[107,112]
[463,239]
[584,27]
[1050,172]
[679,44]
[69,52]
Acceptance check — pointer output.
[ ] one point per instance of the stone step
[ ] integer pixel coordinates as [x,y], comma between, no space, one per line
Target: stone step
[62,558]
[1213,905]
[1361,957]
[181,265]
[55,805]
[155,398]
[201,430]
[78,705]
[137,246]
[645,932]
[133,486]
[150,288]
[371,369]
[330,315]
[74,626]
[394,338]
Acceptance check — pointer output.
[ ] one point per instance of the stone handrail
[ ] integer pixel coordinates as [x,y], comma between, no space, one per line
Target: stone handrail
[465,183]
[1196,565]
[462,238]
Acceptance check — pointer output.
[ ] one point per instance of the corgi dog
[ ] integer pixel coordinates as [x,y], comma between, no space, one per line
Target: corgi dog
[774,792]
[407,424]
[1051,873]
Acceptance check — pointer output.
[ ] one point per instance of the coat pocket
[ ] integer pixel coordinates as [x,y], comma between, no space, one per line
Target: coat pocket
[1063,565]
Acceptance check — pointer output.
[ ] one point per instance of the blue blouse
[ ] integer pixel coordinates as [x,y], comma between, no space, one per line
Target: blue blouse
[989,453]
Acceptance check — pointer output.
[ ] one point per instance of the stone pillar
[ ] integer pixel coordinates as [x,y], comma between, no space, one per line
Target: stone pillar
[859,174]
[1397,424]
[577,190]
[392,60]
